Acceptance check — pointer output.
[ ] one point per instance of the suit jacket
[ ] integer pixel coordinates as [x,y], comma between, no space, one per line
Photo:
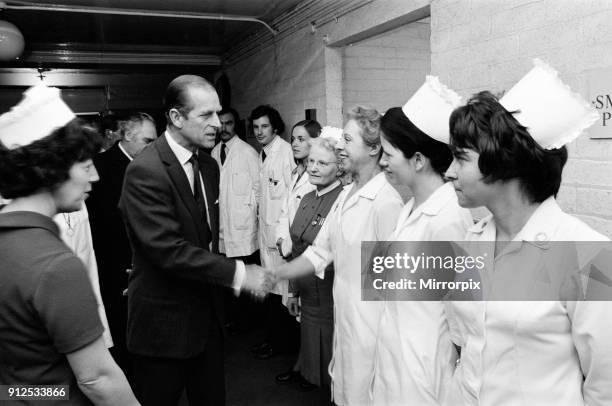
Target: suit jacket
[110,239]
[174,296]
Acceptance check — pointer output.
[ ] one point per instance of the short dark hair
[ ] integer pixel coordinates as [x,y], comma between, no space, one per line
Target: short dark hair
[273,115]
[409,139]
[312,127]
[233,112]
[45,163]
[176,93]
[507,150]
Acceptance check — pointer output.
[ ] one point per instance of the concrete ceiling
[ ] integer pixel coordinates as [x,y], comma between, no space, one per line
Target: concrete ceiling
[70,39]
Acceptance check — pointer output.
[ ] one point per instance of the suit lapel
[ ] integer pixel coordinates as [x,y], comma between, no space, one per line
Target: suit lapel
[178,177]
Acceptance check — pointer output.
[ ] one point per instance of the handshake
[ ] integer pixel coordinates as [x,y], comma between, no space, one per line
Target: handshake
[259,281]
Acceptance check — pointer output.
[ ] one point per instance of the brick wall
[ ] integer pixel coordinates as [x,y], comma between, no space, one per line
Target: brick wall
[489,44]
[383,71]
[301,71]
[290,76]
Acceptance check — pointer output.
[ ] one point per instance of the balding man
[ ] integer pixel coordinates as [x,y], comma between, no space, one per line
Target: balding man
[169,203]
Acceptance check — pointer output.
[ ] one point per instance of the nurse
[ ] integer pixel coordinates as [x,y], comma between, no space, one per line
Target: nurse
[415,357]
[508,157]
[50,330]
[366,210]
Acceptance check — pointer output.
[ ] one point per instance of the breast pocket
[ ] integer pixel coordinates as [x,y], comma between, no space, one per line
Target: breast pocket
[276,185]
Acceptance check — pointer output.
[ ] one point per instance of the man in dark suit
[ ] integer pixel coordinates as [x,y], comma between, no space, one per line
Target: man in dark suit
[110,240]
[169,203]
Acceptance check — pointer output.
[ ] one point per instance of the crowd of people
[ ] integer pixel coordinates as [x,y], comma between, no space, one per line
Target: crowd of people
[122,298]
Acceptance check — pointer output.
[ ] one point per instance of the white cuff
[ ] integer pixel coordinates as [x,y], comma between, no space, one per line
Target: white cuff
[319,262]
[239,276]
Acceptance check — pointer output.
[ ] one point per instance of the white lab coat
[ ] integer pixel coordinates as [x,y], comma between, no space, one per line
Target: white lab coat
[275,183]
[415,357]
[370,214]
[75,231]
[299,188]
[238,195]
[544,353]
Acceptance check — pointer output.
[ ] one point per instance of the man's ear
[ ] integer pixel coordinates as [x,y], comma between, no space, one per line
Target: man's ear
[128,136]
[176,118]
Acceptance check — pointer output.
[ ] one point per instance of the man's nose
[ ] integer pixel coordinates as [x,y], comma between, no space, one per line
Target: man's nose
[215,121]
[451,173]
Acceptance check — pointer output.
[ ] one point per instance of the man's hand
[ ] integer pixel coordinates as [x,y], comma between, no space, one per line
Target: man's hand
[258,281]
[293,305]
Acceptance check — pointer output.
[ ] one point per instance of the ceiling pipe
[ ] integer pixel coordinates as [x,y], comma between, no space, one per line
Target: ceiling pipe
[24,5]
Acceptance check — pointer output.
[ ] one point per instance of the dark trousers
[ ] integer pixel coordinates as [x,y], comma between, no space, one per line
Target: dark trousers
[116,313]
[282,329]
[245,312]
[161,381]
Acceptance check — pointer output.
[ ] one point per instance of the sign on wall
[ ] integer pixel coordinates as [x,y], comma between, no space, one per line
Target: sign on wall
[600,96]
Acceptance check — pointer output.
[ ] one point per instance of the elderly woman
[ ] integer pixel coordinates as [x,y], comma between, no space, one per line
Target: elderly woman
[366,210]
[50,331]
[314,295]
[414,354]
[524,352]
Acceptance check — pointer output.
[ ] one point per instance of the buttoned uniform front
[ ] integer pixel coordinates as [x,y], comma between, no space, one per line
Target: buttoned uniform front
[370,214]
[275,184]
[527,353]
[315,294]
[415,357]
[300,186]
[238,195]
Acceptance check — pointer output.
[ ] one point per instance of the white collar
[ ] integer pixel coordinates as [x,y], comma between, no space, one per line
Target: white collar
[373,186]
[182,154]
[271,145]
[124,151]
[228,144]
[435,202]
[327,188]
[540,227]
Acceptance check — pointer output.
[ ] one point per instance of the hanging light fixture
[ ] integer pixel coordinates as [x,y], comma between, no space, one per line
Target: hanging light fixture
[11,41]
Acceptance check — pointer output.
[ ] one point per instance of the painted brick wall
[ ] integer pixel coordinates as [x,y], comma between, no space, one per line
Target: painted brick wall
[290,76]
[489,44]
[383,71]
